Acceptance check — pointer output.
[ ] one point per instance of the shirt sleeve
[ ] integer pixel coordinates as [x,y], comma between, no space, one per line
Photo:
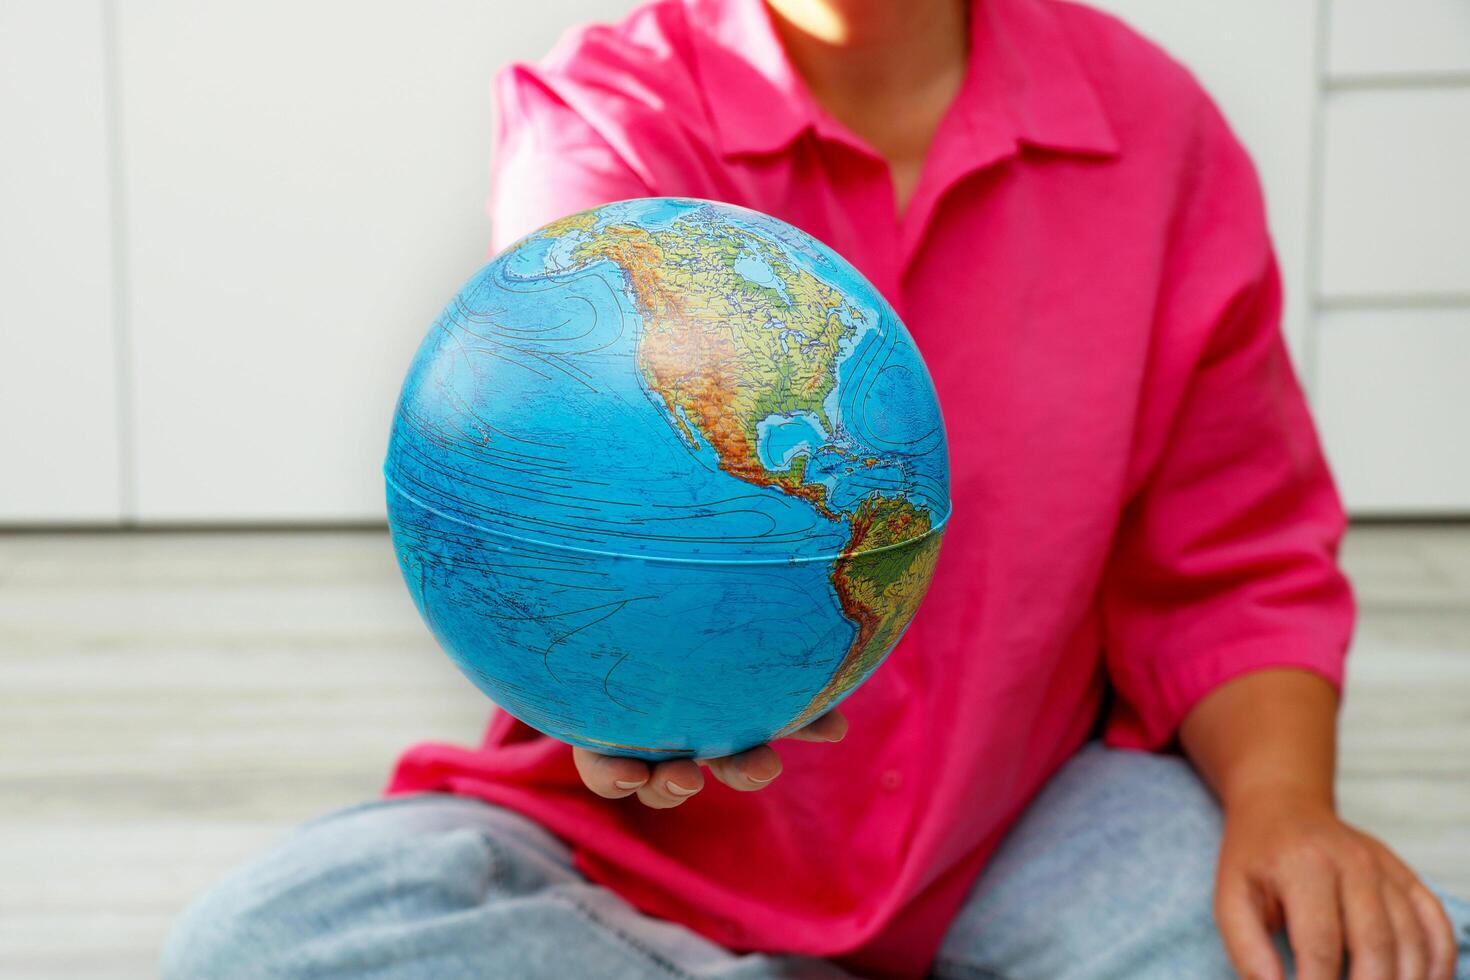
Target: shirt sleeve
[1225,557]
[547,161]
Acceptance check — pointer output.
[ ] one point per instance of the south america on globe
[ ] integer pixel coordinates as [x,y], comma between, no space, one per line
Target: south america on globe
[667,478]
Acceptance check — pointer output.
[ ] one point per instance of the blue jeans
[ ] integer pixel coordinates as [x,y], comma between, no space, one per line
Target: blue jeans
[1108,873]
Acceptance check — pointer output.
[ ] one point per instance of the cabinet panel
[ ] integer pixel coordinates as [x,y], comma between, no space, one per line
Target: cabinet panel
[1395,200]
[58,362]
[1393,403]
[1405,37]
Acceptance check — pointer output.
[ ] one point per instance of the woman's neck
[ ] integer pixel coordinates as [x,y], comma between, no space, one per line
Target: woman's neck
[883,50]
[886,69]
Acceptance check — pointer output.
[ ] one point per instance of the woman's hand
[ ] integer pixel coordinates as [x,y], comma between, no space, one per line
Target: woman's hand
[1265,741]
[1339,892]
[667,784]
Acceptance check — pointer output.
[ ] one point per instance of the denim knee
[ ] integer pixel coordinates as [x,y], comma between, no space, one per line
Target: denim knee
[216,934]
[309,904]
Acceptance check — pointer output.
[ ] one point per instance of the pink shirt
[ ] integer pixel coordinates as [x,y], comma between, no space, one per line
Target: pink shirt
[1141,506]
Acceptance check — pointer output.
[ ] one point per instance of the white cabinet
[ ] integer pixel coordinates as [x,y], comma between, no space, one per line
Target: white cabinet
[224,228]
[59,425]
[1396,194]
[305,188]
[1398,37]
[1393,405]
[1392,364]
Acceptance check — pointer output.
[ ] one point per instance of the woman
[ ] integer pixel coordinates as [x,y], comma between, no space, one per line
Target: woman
[1143,549]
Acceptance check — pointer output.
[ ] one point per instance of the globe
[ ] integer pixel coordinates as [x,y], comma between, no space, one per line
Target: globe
[666,478]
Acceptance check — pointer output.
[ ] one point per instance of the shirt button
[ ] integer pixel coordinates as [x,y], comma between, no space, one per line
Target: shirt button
[891,779]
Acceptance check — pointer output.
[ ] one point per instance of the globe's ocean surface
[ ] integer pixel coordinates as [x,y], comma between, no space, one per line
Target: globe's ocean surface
[667,477]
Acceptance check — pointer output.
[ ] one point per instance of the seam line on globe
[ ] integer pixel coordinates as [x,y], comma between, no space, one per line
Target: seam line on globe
[934,528]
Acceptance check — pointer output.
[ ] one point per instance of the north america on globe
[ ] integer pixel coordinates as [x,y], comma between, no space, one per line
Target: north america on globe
[668,477]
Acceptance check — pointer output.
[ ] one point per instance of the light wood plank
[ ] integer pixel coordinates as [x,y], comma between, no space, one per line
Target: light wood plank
[173,703]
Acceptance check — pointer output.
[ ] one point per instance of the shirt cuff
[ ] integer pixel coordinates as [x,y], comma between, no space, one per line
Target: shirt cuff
[1149,707]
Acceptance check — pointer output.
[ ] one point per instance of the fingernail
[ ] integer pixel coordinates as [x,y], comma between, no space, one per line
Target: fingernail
[757,779]
[629,783]
[678,790]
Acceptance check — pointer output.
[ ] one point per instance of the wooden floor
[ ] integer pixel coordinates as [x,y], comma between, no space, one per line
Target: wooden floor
[171,702]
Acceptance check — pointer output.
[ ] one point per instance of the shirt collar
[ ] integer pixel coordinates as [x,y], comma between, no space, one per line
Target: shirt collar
[1023,83]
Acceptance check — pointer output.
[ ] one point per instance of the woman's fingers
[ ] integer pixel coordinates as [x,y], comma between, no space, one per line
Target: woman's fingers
[749,770]
[671,783]
[1313,921]
[668,784]
[1343,896]
[756,768]
[1371,933]
[609,776]
[828,728]
[1240,913]
[1409,938]
[1438,930]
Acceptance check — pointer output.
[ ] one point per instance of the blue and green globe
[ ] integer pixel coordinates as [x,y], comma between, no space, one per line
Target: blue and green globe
[667,478]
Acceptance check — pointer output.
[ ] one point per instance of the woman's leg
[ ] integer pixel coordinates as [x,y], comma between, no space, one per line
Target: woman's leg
[435,886]
[1109,873]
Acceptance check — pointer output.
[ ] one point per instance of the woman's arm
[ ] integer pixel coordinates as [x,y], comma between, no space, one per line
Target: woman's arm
[1226,615]
[1265,742]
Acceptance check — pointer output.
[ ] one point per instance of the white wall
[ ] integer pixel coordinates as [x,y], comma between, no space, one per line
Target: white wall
[224,228]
